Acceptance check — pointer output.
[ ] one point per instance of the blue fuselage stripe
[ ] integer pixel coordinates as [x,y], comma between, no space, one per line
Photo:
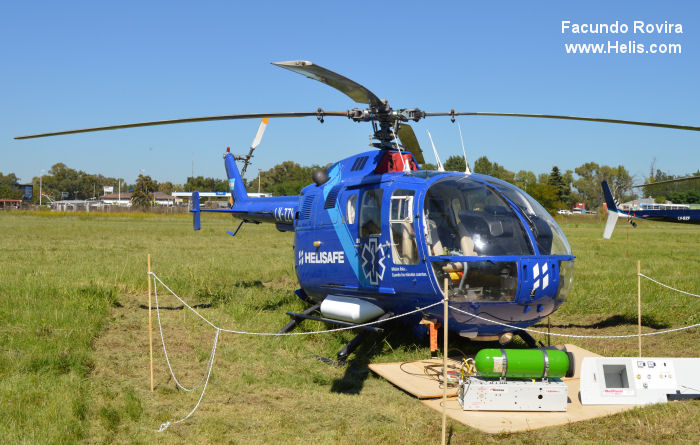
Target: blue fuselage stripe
[341,230]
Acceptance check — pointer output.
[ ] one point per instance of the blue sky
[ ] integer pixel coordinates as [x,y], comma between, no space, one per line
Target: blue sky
[70,65]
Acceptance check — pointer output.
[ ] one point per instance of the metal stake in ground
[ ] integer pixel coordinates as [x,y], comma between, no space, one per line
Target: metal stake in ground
[639,304]
[150,324]
[444,363]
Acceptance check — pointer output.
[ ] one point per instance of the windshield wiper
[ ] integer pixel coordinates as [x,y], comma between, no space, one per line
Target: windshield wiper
[530,221]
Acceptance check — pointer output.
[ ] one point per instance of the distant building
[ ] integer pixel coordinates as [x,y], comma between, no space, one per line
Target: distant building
[218,195]
[124,199]
[579,207]
[650,204]
[224,198]
[627,206]
[10,203]
[76,205]
[27,191]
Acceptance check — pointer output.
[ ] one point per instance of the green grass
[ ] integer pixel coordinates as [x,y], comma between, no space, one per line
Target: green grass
[74,339]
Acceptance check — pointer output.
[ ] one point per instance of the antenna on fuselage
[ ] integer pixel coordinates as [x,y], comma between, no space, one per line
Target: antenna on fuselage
[437,158]
[464,152]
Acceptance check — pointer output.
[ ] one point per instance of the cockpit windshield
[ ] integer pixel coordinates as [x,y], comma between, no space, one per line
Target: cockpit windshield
[464,217]
[549,237]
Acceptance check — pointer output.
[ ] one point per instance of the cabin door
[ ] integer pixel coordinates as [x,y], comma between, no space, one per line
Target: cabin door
[373,247]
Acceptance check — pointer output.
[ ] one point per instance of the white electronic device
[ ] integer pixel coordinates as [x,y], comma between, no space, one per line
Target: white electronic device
[480,394]
[638,380]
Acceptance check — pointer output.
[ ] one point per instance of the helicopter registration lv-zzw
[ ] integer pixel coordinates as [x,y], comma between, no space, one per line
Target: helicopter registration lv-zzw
[375,236]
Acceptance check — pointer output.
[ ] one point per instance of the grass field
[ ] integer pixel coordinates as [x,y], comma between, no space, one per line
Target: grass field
[74,340]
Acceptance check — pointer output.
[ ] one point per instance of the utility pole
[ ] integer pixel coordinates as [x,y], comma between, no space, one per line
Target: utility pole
[259,181]
[41,178]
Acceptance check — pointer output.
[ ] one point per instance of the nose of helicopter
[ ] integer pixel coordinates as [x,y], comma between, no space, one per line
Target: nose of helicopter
[501,256]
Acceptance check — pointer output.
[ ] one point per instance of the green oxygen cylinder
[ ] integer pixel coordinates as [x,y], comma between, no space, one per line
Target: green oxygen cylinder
[524,363]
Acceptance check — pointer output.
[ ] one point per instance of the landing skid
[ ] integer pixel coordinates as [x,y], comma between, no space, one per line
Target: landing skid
[357,340]
[349,348]
[528,339]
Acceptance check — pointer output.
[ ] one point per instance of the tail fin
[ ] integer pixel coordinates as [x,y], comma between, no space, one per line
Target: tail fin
[196,221]
[235,182]
[612,210]
[609,199]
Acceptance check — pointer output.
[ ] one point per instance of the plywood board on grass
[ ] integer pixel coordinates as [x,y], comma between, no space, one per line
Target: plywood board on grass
[412,377]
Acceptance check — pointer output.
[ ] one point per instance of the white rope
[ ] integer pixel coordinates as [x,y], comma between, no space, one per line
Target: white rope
[165,351]
[413,312]
[574,336]
[157,280]
[275,334]
[182,301]
[668,287]
[210,365]
[164,426]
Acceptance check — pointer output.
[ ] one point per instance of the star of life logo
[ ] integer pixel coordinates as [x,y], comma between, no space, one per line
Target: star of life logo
[541,279]
[373,257]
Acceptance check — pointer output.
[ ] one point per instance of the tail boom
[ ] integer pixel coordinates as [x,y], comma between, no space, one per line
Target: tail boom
[279,210]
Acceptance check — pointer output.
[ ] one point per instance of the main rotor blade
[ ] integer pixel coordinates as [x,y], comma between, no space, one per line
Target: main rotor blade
[186,120]
[350,88]
[668,181]
[573,118]
[409,140]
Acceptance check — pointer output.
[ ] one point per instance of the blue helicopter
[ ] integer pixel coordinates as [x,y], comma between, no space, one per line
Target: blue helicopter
[676,213]
[375,236]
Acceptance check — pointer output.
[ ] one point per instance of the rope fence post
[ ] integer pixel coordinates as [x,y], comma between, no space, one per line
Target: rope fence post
[639,304]
[444,363]
[150,322]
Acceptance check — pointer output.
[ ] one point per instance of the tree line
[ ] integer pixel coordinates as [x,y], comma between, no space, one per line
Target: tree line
[554,190]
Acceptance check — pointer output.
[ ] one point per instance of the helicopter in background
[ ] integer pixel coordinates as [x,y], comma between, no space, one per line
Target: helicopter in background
[675,213]
[374,235]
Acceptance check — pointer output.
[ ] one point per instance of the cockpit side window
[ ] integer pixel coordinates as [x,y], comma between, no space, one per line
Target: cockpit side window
[403,237]
[350,209]
[370,213]
[549,237]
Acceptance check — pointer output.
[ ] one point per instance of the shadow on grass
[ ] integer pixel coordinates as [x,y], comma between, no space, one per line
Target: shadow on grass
[618,320]
[247,284]
[396,336]
[177,308]
[356,369]
[271,306]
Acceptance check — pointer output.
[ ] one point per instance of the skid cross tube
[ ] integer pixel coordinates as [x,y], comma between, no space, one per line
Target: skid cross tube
[296,319]
[527,338]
